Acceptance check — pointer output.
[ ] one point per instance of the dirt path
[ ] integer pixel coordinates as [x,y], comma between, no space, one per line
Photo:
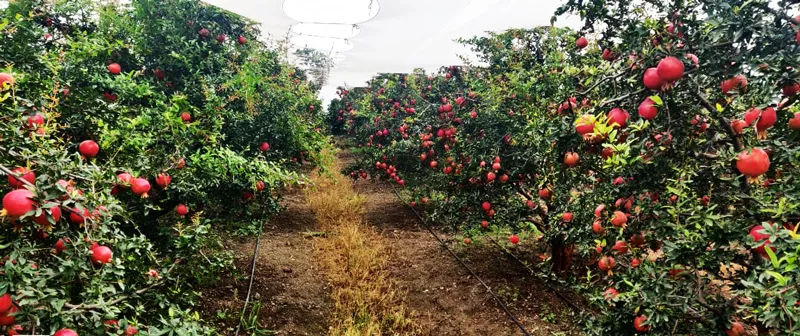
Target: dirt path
[293,279]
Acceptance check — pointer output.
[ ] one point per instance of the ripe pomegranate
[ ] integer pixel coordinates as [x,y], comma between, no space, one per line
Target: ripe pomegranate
[513,239]
[736,329]
[598,211]
[5,303]
[114,69]
[186,117]
[647,109]
[585,124]
[180,164]
[567,217]
[8,319]
[639,324]
[6,78]
[503,178]
[111,97]
[163,180]
[694,59]
[753,163]
[159,74]
[467,241]
[618,116]
[635,262]
[652,80]
[25,173]
[260,184]
[88,148]
[124,180]
[790,89]
[606,263]
[433,164]
[486,206]
[608,55]
[728,85]
[752,115]
[571,159]
[65,332]
[545,193]
[597,227]
[264,147]
[241,39]
[140,187]
[581,42]
[18,202]
[620,247]
[738,126]
[182,210]
[619,219]
[221,38]
[610,293]
[484,224]
[794,123]
[60,247]
[76,216]
[55,214]
[767,120]
[34,121]
[670,69]
[758,235]
[496,166]
[101,255]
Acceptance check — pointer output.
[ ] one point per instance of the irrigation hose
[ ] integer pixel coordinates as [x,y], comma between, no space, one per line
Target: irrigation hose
[252,273]
[463,264]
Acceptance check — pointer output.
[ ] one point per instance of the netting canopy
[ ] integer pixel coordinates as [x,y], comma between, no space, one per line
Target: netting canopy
[365,37]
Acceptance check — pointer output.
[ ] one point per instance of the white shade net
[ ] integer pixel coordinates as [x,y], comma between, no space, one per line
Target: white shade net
[366,37]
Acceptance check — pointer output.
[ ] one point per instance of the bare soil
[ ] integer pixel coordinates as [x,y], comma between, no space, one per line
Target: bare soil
[445,299]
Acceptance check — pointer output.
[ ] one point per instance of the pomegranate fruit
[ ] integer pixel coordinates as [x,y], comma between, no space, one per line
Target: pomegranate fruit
[647,109]
[60,246]
[76,216]
[597,227]
[88,148]
[101,255]
[6,78]
[25,173]
[182,210]
[598,211]
[513,239]
[140,187]
[5,303]
[610,293]
[581,42]
[65,332]
[758,235]
[124,180]
[635,262]
[43,219]
[114,69]
[652,80]
[571,159]
[545,193]
[794,123]
[18,202]
[186,117]
[670,69]
[585,124]
[619,219]
[606,263]
[767,120]
[34,121]
[7,318]
[639,323]
[753,163]
[241,39]
[567,217]
[738,126]
[736,329]
[620,247]
[486,206]
[260,184]
[790,89]
[264,147]
[619,117]
[163,180]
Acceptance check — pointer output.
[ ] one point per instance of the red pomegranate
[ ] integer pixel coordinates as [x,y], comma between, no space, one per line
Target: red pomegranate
[647,109]
[8,319]
[567,217]
[670,69]
[608,55]
[597,227]
[728,85]
[620,247]
[513,239]
[114,69]
[598,211]
[6,78]
[76,216]
[5,303]
[794,123]
[610,293]
[186,117]
[18,202]
[752,115]
[35,121]
[182,210]
[101,255]
[753,163]
[260,184]
[60,246]
[581,42]
[758,235]
[159,74]
[571,159]
[180,164]
[241,39]
[738,126]
[88,148]
[694,59]
[639,324]
[124,180]
[619,219]
[163,180]
[264,147]
[767,120]
[111,97]
[23,172]
[496,166]
[606,263]
[618,116]
[652,80]
[790,89]
[486,206]
[484,224]
[43,219]
[221,38]
[635,262]
[585,124]
[140,187]
[736,329]
[545,193]
[65,332]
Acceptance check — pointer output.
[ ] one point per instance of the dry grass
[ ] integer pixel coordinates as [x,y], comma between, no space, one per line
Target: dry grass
[354,258]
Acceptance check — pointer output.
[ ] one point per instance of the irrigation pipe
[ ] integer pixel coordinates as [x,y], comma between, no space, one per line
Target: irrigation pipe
[252,272]
[463,264]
